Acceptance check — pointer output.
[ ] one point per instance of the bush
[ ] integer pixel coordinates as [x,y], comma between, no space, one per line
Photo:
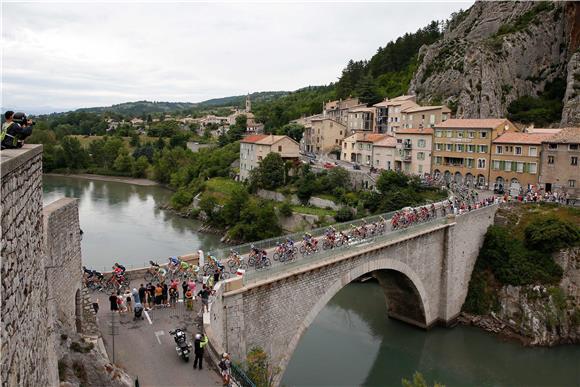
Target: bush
[259,368]
[344,214]
[550,234]
[285,209]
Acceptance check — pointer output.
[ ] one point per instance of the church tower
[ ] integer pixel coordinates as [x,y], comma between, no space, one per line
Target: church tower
[248,104]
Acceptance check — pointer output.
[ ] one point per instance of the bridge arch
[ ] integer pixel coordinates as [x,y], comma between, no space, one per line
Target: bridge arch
[384,269]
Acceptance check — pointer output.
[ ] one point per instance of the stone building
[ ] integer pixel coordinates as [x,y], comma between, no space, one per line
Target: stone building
[462,148]
[385,153]
[414,150]
[40,271]
[560,170]
[515,160]
[324,135]
[388,115]
[358,148]
[254,148]
[361,118]
[338,110]
[424,116]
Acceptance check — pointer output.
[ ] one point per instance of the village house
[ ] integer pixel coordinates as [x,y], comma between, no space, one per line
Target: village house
[323,136]
[388,112]
[560,170]
[254,148]
[252,125]
[462,148]
[414,147]
[385,153]
[361,118]
[338,110]
[515,160]
[358,148]
[424,116]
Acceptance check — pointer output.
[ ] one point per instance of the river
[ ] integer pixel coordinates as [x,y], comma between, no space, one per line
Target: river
[122,222]
[351,342]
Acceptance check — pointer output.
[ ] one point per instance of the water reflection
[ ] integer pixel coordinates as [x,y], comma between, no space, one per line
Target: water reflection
[122,222]
[352,342]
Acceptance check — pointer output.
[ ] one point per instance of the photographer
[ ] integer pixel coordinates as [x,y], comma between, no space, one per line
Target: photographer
[15,129]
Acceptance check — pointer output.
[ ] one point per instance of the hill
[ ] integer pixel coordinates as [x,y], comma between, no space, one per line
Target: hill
[140,108]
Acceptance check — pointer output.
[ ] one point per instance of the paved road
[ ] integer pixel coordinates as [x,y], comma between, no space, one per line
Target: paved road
[147,350]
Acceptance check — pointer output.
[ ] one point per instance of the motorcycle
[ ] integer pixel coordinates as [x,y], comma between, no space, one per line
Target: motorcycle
[183,348]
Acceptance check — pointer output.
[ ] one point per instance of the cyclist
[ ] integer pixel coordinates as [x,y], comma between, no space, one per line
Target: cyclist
[118,268]
[173,263]
[184,266]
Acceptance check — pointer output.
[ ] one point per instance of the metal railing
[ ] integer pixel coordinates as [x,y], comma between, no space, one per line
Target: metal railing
[252,276]
[240,377]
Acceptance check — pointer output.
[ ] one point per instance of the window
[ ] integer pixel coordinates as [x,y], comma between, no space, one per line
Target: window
[471,148]
[550,159]
[449,147]
[520,167]
[498,149]
[508,166]
[459,147]
[533,168]
[368,146]
[572,183]
[533,151]
[432,119]
[518,150]
[420,156]
[469,163]
[438,147]
[573,147]
[552,146]
[449,133]
[341,132]
[483,134]
[574,160]
[360,146]
[421,143]
[279,148]
[438,133]
[438,160]
[471,134]
[495,164]
[460,133]
[481,163]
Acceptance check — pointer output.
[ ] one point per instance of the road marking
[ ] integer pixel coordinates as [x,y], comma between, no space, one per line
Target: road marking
[157,334]
[148,318]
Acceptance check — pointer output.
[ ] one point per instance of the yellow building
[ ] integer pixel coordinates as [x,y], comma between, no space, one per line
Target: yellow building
[358,148]
[515,160]
[324,135]
[462,148]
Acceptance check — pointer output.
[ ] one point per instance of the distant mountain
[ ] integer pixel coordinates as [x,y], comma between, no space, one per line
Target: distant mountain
[141,107]
[239,100]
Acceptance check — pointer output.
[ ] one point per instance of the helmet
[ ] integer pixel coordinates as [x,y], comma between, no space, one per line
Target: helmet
[134,290]
[198,336]
[225,355]
[252,246]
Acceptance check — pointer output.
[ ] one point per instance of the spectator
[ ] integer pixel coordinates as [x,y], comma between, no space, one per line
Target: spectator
[184,287]
[142,292]
[204,294]
[158,294]
[189,300]
[113,302]
[13,133]
[96,306]
[121,302]
[191,286]
[173,294]
[224,366]
[128,301]
[165,294]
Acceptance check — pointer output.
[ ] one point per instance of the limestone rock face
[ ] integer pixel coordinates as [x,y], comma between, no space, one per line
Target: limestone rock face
[496,53]
[571,111]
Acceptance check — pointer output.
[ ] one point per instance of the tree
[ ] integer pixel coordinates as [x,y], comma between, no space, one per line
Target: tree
[135,142]
[179,140]
[237,130]
[294,131]
[123,162]
[271,172]
[367,91]
[73,154]
[418,381]
[285,209]
[234,206]
[259,368]
[140,167]
[549,234]
[391,180]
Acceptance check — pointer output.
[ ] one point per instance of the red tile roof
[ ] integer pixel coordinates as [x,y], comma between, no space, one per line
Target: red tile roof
[522,138]
[254,138]
[472,123]
[427,131]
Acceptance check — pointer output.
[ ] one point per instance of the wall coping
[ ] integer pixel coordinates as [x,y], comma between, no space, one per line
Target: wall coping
[11,159]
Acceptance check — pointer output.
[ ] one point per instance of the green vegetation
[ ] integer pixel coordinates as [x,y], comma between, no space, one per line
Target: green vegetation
[259,368]
[418,381]
[541,110]
[520,253]
[527,18]
[310,210]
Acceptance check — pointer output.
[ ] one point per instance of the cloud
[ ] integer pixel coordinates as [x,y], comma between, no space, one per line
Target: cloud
[70,55]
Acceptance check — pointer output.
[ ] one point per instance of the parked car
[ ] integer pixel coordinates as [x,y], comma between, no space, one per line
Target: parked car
[328,165]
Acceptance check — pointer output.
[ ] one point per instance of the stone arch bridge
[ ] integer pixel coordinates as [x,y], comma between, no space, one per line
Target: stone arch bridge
[424,272]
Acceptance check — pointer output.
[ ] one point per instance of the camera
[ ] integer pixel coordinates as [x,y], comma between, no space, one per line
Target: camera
[21,119]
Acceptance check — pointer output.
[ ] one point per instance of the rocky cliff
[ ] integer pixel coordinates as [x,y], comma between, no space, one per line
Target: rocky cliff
[496,52]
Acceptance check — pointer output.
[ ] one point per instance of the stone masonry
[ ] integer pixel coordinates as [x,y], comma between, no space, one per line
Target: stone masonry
[40,272]
[424,275]
[63,257]
[28,353]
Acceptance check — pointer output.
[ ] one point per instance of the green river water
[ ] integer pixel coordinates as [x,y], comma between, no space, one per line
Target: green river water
[351,342]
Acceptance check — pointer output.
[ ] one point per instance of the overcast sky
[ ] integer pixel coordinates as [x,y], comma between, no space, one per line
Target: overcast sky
[61,56]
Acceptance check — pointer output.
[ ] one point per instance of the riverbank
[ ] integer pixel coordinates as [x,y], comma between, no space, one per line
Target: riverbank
[116,179]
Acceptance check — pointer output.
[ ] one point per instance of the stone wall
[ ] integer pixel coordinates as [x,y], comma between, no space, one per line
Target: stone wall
[28,352]
[63,259]
[314,201]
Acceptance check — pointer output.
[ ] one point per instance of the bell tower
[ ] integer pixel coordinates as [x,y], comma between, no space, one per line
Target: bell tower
[248,104]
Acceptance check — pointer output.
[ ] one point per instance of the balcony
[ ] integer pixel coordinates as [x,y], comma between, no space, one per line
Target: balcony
[407,158]
[407,145]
